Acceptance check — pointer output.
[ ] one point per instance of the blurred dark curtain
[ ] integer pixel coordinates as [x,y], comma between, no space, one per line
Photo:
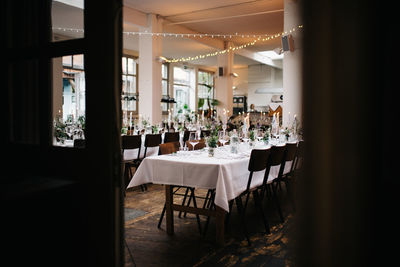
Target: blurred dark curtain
[348,191]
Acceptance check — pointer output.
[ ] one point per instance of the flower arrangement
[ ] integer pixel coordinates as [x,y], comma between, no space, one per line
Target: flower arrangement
[154,129]
[266,137]
[60,130]
[252,135]
[212,141]
[286,132]
[144,123]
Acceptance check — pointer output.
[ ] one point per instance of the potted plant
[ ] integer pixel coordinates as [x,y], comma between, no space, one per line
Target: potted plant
[266,137]
[60,131]
[212,142]
[252,137]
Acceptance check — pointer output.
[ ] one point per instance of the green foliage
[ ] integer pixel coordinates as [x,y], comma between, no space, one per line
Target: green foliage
[201,102]
[252,135]
[59,130]
[155,129]
[214,102]
[82,121]
[212,140]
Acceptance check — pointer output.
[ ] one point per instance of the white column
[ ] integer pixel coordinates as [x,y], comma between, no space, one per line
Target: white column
[292,64]
[57,87]
[150,48]
[223,84]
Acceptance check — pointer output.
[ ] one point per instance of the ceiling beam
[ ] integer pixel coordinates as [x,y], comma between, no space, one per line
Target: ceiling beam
[139,18]
[259,58]
[134,16]
[209,41]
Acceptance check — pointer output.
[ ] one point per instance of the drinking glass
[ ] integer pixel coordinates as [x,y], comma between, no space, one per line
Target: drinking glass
[193,139]
[222,138]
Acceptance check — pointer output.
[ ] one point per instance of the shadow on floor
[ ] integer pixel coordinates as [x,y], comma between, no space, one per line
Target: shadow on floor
[151,246]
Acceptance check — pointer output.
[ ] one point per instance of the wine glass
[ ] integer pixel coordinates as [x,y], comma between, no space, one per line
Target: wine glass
[222,137]
[260,135]
[193,139]
[245,136]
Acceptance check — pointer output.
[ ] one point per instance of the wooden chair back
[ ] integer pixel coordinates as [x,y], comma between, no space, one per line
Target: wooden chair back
[168,148]
[131,141]
[152,140]
[171,137]
[276,156]
[258,162]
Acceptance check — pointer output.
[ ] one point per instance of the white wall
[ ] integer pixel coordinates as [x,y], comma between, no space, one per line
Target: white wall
[263,77]
[241,82]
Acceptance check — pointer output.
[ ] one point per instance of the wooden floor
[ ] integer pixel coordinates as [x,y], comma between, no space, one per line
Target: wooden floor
[147,245]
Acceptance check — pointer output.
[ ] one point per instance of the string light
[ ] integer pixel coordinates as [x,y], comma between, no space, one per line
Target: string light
[181,35]
[259,38]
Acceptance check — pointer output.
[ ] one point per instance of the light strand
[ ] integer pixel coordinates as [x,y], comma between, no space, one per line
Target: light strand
[259,39]
[181,35]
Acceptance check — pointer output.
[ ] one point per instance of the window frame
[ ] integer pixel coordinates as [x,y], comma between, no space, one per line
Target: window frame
[198,84]
[136,75]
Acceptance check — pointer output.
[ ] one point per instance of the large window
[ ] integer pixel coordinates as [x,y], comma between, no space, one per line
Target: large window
[129,86]
[73,80]
[182,81]
[205,88]
[165,88]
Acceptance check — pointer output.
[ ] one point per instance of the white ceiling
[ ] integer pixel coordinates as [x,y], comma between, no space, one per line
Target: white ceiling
[203,16]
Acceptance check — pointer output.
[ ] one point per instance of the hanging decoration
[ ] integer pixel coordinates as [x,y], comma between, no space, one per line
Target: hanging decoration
[258,38]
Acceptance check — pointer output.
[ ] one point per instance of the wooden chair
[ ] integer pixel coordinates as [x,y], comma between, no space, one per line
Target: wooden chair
[168,148]
[186,135]
[151,140]
[290,156]
[276,158]
[171,137]
[131,142]
[299,160]
[258,162]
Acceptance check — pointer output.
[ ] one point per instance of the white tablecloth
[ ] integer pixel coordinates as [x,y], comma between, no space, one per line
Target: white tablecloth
[225,172]
[130,154]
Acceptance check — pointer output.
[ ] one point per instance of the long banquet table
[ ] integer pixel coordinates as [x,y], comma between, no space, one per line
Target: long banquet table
[225,172]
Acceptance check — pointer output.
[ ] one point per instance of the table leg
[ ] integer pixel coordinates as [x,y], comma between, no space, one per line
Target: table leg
[220,225]
[169,213]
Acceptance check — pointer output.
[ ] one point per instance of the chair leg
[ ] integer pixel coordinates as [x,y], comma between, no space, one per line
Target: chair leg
[276,200]
[258,203]
[190,200]
[241,210]
[290,195]
[206,198]
[184,200]
[209,206]
[195,205]
[161,216]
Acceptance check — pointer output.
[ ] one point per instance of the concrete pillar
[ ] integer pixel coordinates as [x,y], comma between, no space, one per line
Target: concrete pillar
[150,91]
[292,64]
[223,84]
[57,87]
